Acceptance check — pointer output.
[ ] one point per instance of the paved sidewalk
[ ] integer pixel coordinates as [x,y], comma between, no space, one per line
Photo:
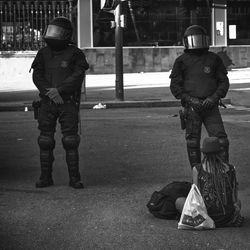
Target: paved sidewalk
[140,90]
[131,80]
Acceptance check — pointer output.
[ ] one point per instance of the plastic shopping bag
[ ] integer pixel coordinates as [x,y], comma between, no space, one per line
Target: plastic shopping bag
[194,214]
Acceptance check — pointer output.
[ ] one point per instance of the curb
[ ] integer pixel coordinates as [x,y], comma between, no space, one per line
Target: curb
[6,107]
[131,104]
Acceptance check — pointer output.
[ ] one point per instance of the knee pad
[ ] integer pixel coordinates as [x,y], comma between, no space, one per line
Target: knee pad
[71,141]
[46,142]
[193,143]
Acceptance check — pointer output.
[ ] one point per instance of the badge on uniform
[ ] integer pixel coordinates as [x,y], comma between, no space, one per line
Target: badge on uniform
[64,64]
[207,69]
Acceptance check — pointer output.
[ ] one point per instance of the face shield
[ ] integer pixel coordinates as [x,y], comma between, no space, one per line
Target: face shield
[57,33]
[196,41]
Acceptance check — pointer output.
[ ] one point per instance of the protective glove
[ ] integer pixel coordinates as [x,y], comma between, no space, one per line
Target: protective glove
[209,103]
[196,104]
[54,95]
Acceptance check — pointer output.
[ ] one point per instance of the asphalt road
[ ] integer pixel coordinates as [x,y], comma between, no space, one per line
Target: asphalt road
[125,155]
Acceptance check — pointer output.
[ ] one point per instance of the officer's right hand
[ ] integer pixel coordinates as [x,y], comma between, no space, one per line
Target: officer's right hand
[208,103]
[58,100]
[54,95]
[196,104]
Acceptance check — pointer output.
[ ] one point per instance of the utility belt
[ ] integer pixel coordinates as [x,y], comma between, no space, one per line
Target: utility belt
[200,100]
[187,104]
[189,108]
[66,98]
[36,104]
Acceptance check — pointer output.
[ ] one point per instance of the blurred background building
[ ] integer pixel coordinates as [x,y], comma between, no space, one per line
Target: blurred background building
[152,37]
[149,22]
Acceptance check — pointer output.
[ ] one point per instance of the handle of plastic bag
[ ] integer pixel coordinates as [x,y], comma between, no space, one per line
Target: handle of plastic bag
[194,186]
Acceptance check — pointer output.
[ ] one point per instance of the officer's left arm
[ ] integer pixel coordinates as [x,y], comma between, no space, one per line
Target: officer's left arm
[222,80]
[74,81]
[38,73]
[176,83]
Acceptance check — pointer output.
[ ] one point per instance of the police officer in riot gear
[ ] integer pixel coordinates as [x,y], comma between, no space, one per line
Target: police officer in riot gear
[58,72]
[199,79]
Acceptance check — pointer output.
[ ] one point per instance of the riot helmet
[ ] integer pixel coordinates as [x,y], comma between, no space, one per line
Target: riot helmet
[195,38]
[58,33]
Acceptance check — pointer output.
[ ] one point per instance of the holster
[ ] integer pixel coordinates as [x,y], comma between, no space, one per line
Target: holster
[183,119]
[221,104]
[36,106]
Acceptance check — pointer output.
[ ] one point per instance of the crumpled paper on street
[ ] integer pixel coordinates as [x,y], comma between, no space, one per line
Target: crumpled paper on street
[100,106]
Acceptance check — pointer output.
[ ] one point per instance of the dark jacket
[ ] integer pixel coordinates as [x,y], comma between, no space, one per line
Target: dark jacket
[199,75]
[64,70]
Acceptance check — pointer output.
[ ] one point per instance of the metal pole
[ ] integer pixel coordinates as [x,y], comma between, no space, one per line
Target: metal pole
[133,20]
[119,54]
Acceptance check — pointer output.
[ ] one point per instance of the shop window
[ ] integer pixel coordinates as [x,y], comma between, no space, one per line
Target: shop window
[153,22]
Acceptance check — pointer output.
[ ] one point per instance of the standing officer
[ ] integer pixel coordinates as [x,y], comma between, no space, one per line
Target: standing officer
[59,70]
[200,80]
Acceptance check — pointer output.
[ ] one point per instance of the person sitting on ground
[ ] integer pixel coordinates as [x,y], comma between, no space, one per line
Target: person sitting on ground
[217,183]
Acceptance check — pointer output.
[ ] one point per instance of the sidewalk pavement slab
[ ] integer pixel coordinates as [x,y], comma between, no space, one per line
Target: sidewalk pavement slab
[140,90]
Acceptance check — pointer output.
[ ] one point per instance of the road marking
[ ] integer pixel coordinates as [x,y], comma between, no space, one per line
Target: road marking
[238,107]
[240,89]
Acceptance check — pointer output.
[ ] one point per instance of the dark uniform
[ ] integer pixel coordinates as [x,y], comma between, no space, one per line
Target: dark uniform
[59,70]
[199,79]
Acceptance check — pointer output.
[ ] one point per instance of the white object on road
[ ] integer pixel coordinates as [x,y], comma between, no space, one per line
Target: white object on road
[100,106]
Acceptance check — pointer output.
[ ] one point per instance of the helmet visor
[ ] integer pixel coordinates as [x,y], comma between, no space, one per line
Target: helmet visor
[57,33]
[196,41]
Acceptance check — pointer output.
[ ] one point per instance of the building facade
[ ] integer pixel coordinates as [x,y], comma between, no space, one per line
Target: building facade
[148,22]
[154,30]
[163,22]
[152,37]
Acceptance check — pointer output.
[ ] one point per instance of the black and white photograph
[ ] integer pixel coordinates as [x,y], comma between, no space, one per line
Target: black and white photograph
[124,124]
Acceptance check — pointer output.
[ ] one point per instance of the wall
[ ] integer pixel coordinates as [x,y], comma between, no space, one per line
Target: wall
[134,59]
[154,59]
[14,67]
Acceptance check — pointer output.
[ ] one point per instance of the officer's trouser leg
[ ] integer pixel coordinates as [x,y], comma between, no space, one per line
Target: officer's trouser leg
[70,144]
[193,135]
[215,127]
[46,143]
[194,153]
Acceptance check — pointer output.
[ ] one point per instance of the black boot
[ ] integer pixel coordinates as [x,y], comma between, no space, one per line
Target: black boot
[71,143]
[73,168]
[45,179]
[76,183]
